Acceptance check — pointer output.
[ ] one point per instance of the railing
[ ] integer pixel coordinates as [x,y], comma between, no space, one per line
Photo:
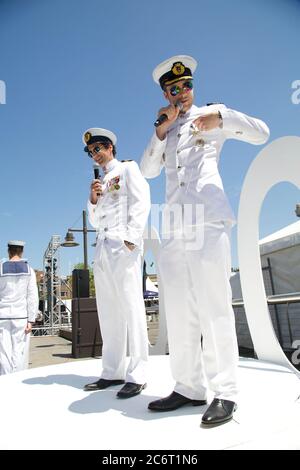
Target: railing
[45,330]
[291,298]
[151,307]
[49,330]
[278,299]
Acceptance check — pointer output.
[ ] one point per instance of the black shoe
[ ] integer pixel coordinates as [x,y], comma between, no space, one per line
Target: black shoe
[219,411]
[101,384]
[130,390]
[174,401]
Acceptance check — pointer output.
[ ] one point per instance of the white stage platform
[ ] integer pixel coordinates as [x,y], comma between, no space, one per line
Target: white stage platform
[46,408]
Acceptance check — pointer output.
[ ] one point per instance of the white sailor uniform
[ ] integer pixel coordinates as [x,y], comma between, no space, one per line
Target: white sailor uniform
[18,306]
[196,281]
[121,214]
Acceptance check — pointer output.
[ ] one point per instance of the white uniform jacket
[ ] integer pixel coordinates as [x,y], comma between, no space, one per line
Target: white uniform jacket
[191,158]
[122,211]
[18,292]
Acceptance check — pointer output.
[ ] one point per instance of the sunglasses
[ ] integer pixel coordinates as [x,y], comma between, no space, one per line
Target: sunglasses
[95,150]
[175,90]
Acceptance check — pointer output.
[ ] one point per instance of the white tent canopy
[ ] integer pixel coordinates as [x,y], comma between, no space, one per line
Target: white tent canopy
[150,286]
[282,248]
[287,237]
[281,251]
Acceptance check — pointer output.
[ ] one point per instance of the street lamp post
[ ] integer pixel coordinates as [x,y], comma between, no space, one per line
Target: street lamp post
[69,238]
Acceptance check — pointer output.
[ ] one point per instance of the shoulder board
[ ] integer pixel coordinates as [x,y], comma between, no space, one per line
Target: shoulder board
[122,161]
[209,104]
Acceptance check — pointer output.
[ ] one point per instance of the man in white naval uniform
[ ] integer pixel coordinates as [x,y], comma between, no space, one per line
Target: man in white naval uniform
[201,329]
[118,208]
[18,308]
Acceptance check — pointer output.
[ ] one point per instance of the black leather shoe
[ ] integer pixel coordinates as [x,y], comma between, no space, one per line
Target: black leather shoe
[130,390]
[101,384]
[219,411]
[174,401]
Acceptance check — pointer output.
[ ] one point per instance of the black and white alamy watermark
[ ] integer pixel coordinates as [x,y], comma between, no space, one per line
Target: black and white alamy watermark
[295,97]
[2,92]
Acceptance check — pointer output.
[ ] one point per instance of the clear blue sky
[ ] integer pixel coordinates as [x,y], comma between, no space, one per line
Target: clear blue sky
[72,64]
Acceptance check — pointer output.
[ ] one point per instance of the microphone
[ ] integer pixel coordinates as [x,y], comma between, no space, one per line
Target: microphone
[96,173]
[164,117]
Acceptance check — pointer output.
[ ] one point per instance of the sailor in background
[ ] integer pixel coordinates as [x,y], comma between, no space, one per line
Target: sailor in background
[18,308]
[118,208]
[196,279]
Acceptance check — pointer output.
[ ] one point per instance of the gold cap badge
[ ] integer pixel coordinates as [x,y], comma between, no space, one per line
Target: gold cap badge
[178,68]
[87,137]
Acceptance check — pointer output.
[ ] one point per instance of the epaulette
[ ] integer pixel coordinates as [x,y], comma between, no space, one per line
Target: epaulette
[122,161]
[209,104]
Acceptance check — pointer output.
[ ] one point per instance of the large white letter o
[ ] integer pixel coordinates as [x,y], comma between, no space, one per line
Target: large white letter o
[277,162]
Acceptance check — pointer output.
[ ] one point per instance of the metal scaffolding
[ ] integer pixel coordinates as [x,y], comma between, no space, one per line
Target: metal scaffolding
[52,287]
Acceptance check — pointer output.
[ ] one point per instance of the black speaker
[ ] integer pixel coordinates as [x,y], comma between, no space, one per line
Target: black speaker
[86,334]
[80,283]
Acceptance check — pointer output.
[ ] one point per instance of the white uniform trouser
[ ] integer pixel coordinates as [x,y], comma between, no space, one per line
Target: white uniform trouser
[121,312]
[199,305]
[14,346]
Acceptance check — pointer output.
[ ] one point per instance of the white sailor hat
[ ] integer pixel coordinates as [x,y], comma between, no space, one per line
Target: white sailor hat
[96,134]
[16,243]
[174,69]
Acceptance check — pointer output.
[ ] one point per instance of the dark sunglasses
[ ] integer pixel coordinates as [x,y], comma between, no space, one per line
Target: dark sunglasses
[187,86]
[95,150]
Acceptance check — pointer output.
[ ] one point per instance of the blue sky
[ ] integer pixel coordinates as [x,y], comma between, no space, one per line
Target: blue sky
[72,64]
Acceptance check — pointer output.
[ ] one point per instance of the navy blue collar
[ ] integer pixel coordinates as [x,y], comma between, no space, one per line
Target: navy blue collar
[14,268]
